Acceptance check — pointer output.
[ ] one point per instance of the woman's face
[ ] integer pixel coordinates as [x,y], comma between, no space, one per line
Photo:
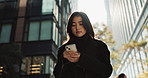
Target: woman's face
[77,27]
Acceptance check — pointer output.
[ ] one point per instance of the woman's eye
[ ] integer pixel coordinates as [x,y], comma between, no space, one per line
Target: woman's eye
[73,25]
[80,23]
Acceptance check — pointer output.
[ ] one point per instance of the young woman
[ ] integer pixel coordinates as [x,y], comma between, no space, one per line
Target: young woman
[92,58]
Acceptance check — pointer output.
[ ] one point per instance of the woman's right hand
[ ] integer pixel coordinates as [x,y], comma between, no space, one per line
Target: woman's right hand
[72,56]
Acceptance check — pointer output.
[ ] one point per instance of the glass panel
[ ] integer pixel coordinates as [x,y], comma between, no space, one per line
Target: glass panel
[33,31]
[51,66]
[47,6]
[56,35]
[54,32]
[59,19]
[33,65]
[35,7]
[60,2]
[5,33]
[46,30]
[55,10]
[26,65]
[47,68]
[37,65]
[59,40]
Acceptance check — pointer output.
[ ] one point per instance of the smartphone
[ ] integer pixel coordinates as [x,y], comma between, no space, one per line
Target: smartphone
[71,47]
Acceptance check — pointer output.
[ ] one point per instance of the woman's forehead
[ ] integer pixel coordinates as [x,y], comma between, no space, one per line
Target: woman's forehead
[77,18]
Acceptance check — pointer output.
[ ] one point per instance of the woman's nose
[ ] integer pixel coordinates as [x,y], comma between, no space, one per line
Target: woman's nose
[78,26]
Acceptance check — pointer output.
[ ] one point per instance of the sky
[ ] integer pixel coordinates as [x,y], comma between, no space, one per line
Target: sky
[94,9]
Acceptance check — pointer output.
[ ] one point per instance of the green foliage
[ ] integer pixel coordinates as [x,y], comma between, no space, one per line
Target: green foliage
[105,35]
[142,43]
[134,44]
[144,75]
[146,27]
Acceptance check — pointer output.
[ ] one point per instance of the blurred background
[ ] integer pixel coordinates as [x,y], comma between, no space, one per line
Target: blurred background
[32,30]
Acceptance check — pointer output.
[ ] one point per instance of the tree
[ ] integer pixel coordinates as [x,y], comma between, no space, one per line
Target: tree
[104,33]
[143,75]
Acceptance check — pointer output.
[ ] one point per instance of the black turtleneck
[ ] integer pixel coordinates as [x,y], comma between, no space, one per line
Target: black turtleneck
[94,60]
[81,42]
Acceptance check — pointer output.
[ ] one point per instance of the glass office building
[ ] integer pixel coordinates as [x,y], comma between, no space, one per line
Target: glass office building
[129,22]
[37,26]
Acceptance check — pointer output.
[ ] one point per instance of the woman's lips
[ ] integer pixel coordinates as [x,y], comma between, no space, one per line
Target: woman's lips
[78,32]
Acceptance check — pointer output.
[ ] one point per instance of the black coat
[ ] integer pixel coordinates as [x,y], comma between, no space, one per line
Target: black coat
[94,61]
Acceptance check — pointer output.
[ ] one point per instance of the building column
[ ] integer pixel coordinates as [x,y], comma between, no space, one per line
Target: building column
[20,21]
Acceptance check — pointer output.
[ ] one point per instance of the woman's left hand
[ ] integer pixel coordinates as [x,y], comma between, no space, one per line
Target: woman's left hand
[72,56]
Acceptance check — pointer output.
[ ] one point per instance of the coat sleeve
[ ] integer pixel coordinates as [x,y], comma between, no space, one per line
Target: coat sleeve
[99,64]
[58,66]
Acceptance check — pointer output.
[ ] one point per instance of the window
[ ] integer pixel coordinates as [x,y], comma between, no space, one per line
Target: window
[40,7]
[40,30]
[59,40]
[51,66]
[137,7]
[34,7]
[5,33]
[55,33]
[47,66]
[60,2]
[59,20]
[38,65]
[55,10]
[47,6]
[56,41]
[34,31]
[46,30]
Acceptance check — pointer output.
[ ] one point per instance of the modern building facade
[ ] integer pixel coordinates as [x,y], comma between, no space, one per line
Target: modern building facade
[129,22]
[106,3]
[38,26]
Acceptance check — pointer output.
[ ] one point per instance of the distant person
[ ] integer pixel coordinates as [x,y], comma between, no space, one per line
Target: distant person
[89,59]
[122,75]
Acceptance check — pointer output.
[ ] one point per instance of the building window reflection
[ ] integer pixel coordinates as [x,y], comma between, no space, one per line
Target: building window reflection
[38,65]
[40,7]
[47,6]
[40,30]
[5,33]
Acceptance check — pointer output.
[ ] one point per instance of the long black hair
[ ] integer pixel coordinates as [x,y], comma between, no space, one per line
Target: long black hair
[85,21]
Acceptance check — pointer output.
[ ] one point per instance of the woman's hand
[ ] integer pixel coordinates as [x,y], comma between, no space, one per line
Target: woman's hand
[72,56]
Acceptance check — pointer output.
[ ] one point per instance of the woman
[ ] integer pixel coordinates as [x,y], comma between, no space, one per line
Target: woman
[92,59]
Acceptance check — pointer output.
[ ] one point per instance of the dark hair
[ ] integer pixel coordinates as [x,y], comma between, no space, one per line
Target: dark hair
[121,75]
[86,23]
